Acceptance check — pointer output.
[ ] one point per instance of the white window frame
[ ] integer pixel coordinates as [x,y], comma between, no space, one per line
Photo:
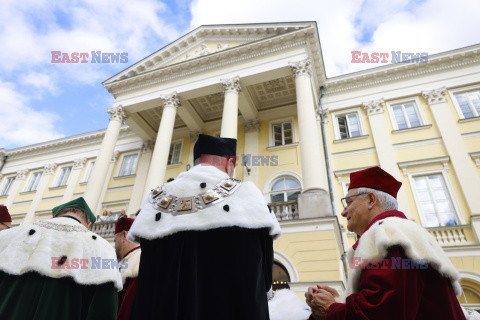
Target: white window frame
[88,170]
[122,158]
[272,136]
[452,93]
[418,108]
[444,172]
[284,191]
[4,182]
[345,112]
[181,150]
[56,183]
[29,180]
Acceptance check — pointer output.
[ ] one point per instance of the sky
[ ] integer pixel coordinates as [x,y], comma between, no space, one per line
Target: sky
[41,100]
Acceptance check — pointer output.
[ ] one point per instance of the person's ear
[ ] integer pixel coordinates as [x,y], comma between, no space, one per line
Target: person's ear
[230,168]
[372,200]
[124,235]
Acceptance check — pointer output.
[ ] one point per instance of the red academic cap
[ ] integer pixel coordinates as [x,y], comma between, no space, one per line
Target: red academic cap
[4,215]
[375,178]
[123,224]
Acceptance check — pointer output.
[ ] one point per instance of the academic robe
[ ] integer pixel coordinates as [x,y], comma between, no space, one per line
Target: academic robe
[129,278]
[215,263]
[386,289]
[42,275]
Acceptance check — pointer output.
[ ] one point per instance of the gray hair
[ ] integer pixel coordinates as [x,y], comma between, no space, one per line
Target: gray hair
[386,201]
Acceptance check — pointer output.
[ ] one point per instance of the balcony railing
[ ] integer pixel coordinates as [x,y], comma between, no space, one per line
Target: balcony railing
[453,235]
[105,229]
[285,210]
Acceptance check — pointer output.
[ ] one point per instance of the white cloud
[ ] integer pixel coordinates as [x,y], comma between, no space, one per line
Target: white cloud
[410,26]
[21,124]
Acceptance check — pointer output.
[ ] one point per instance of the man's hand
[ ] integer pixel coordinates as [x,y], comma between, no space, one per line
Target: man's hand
[309,295]
[332,291]
[322,300]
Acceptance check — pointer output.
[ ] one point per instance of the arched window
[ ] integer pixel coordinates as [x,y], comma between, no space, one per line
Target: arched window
[284,189]
[280,277]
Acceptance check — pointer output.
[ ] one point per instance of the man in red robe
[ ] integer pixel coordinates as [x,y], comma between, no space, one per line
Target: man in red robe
[5,219]
[129,255]
[398,270]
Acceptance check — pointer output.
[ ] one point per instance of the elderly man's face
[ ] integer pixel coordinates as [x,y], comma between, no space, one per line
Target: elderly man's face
[357,211]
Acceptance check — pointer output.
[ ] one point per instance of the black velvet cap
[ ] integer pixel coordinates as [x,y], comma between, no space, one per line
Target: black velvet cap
[214,146]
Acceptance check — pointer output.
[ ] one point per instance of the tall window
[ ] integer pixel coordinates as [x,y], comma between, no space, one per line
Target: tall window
[434,201]
[33,182]
[282,133]
[348,125]
[175,153]
[406,115]
[129,165]
[285,189]
[469,103]
[6,185]
[63,176]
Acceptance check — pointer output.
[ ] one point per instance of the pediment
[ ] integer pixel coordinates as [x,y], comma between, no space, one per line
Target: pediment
[207,40]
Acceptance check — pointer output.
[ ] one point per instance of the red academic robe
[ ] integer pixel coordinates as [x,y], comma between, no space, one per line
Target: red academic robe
[402,294]
[127,296]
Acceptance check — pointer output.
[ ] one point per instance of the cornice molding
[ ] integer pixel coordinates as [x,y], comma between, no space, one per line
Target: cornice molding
[441,62]
[81,140]
[304,37]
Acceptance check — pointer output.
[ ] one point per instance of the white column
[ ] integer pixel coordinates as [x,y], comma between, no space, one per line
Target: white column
[251,149]
[310,143]
[13,192]
[100,169]
[314,200]
[140,177]
[383,145]
[104,186]
[462,163]
[42,186]
[193,140]
[73,179]
[158,165]
[231,88]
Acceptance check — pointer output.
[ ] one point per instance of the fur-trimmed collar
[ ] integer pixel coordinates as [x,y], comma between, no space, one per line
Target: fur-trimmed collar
[287,305]
[41,246]
[417,243]
[132,260]
[246,208]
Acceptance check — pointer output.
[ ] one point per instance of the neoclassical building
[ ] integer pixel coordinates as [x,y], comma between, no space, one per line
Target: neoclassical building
[299,135]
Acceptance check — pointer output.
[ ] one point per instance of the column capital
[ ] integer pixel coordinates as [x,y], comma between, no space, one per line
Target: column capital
[231,85]
[21,174]
[147,146]
[79,163]
[374,107]
[301,68]
[117,113]
[251,126]
[50,168]
[194,136]
[318,112]
[170,100]
[435,96]
[115,155]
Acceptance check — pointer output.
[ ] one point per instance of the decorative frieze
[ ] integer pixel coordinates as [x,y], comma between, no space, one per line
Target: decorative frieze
[79,163]
[231,85]
[435,96]
[301,68]
[251,126]
[117,113]
[171,100]
[374,107]
[50,168]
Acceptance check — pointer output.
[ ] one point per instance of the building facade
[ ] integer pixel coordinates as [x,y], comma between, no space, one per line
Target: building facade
[299,135]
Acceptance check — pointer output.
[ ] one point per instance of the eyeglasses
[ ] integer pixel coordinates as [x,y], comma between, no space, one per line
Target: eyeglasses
[346,203]
[5,225]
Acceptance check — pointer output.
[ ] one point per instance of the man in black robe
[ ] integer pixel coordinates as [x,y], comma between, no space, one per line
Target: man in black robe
[207,243]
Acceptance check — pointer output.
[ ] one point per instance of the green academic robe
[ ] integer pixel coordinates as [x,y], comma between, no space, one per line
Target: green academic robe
[57,269]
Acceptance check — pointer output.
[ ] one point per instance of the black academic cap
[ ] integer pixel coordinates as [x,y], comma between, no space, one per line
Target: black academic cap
[214,146]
